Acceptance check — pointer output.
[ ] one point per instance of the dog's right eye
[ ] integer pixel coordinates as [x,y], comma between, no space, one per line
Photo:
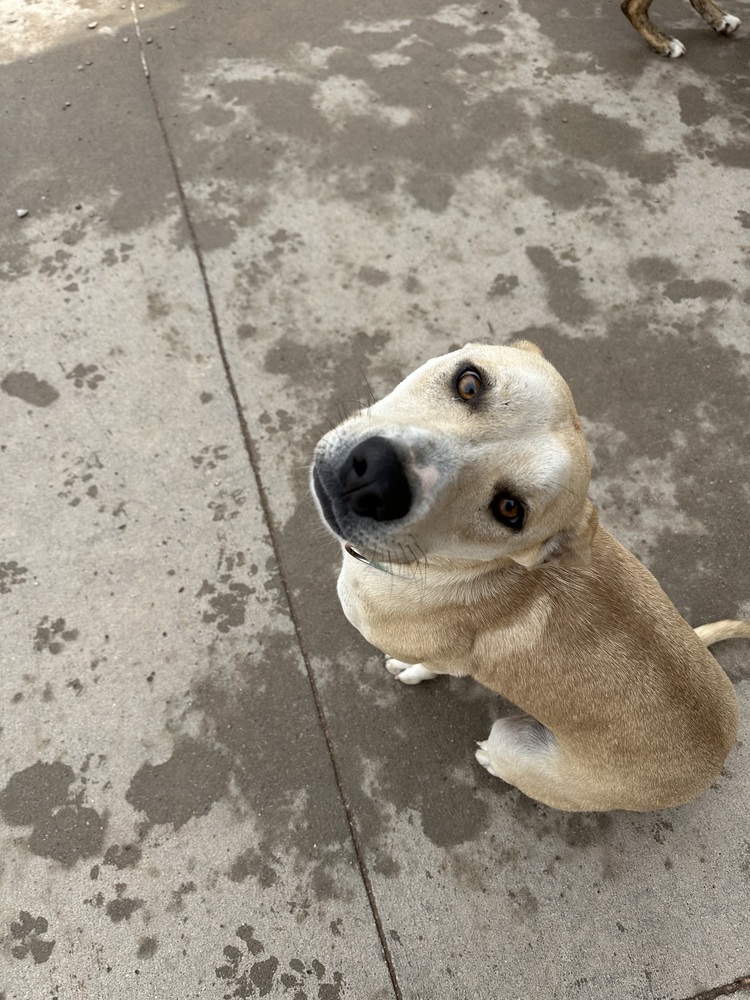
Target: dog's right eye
[468,384]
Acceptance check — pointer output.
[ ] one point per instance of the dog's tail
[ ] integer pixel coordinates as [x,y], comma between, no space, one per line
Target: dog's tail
[717,631]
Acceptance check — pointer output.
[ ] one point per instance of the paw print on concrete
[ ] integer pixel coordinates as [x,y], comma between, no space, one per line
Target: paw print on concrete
[227,598]
[27,938]
[85,375]
[248,974]
[209,457]
[11,574]
[53,635]
[81,477]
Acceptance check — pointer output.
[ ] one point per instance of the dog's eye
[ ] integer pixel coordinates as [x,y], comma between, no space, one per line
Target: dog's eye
[468,384]
[508,510]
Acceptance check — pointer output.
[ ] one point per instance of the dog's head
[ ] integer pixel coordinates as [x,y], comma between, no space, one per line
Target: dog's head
[477,456]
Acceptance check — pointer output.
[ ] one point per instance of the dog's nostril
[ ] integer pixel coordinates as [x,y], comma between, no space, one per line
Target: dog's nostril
[373,481]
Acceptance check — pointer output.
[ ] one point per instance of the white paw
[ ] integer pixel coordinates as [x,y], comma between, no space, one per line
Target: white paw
[483,758]
[729,23]
[674,49]
[408,673]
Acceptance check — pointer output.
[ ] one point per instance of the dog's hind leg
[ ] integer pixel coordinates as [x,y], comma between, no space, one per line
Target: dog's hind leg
[524,753]
[636,12]
[723,23]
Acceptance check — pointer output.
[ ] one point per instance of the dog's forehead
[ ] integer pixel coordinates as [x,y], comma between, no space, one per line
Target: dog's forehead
[518,377]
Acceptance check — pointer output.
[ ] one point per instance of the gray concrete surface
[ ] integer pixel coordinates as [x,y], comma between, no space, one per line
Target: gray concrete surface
[237,214]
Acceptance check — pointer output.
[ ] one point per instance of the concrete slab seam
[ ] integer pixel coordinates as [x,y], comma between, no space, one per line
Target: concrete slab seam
[265,506]
[743,983]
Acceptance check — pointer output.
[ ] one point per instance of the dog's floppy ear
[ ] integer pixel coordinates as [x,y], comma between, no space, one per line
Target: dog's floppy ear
[526,345]
[571,547]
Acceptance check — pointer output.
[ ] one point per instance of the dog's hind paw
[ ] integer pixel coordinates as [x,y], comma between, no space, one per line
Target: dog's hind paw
[729,24]
[408,673]
[483,758]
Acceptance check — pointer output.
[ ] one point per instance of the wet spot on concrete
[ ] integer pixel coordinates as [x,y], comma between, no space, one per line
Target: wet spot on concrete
[569,186]
[127,856]
[185,786]
[652,270]
[227,598]
[147,947]
[52,636]
[122,908]
[694,108]
[503,284]
[709,289]
[373,276]
[241,712]
[11,574]
[215,234]
[247,934]
[258,863]
[27,935]
[582,134]
[563,284]
[732,154]
[68,834]
[431,190]
[245,331]
[33,793]
[29,388]
[525,903]
[178,895]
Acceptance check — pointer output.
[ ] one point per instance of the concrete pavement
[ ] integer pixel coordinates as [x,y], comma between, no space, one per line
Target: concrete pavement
[236,214]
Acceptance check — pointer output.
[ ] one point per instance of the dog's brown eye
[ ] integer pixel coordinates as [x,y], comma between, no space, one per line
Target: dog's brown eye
[468,384]
[508,510]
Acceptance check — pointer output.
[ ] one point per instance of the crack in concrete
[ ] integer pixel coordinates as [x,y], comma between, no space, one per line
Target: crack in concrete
[266,509]
[743,983]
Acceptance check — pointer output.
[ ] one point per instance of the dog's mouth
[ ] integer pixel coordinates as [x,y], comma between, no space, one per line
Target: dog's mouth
[325,503]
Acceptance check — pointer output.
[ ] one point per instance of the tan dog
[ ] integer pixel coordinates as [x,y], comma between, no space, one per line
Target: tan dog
[636,12]
[471,548]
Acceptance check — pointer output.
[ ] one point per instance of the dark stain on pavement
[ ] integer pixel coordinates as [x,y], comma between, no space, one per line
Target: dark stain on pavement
[184,786]
[583,134]
[261,717]
[63,828]
[563,283]
[29,388]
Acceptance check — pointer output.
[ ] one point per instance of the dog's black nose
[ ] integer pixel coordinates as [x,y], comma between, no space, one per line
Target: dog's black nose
[373,481]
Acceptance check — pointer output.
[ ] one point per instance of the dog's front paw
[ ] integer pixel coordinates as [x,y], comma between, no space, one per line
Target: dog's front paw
[408,673]
[673,49]
[729,24]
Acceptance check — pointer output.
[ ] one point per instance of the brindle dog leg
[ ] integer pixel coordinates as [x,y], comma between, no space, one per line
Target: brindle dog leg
[636,12]
[725,24]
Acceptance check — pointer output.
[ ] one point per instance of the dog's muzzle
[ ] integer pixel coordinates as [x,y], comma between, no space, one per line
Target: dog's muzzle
[370,483]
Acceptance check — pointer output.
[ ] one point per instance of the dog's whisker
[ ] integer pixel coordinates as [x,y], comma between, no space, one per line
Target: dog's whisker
[370,393]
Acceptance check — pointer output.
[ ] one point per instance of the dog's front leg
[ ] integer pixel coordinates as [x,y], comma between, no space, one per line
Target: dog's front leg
[409,673]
